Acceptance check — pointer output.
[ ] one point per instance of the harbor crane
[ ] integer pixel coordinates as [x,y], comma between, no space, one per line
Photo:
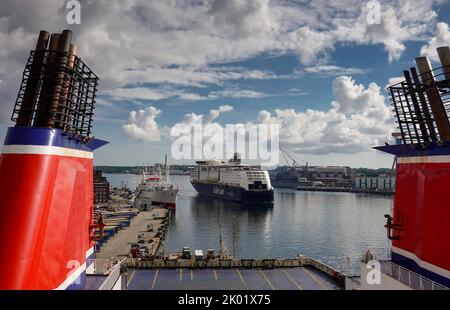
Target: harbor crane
[287,156]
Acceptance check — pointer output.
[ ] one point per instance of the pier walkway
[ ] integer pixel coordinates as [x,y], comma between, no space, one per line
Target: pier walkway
[299,278]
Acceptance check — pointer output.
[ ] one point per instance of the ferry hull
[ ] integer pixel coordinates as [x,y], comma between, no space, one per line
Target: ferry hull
[165,198]
[232,193]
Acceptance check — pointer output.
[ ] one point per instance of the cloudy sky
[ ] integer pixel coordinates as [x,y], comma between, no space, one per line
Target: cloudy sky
[317,68]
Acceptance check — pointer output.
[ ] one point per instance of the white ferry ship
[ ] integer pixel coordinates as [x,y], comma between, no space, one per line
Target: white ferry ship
[232,180]
[156,189]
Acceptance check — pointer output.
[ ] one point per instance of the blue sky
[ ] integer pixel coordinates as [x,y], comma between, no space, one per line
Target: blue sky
[254,56]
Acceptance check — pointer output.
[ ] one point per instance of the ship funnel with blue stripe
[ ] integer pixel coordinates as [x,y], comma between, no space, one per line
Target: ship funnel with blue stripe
[46,171]
[419,224]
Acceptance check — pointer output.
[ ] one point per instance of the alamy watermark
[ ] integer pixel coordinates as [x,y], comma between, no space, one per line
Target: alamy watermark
[373,16]
[259,142]
[74,267]
[373,276]
[73,16]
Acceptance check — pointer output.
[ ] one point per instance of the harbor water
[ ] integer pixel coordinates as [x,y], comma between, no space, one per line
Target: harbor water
[332,227]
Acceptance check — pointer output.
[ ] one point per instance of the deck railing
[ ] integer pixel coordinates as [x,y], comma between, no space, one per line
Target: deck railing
[408,277]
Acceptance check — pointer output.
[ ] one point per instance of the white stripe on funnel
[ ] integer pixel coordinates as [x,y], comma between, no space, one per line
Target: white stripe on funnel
[45,150]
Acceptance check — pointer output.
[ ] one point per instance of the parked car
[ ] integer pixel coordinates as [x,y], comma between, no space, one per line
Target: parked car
[143,251]
[198,255]
[211,254]
[186,253]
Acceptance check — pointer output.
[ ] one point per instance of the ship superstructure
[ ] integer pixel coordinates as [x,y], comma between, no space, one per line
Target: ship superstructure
[232,180]
[156,190]
[46,172]
[418,227]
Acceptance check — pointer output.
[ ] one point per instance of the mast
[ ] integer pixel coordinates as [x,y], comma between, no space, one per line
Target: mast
[166,168]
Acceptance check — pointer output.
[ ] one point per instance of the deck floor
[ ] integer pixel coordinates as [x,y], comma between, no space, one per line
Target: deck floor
[93,282]
[230,279]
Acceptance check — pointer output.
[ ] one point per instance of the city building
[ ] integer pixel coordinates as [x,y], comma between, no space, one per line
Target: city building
[329,175]
[101,187]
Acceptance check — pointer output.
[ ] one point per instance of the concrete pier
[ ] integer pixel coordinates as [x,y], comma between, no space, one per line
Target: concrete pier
[119,244]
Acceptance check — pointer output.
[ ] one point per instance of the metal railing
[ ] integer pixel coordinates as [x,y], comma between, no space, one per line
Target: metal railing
[101,266]
[113,276]
[408,277]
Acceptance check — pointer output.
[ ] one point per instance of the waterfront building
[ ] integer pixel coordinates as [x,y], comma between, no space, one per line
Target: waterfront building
[101,187]
[375,183]
[329,175]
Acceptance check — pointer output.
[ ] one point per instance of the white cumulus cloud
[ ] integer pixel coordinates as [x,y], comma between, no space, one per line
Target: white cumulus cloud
[215,113]
[142,125]
[351,97]
[134,42]
[441,38]
[357,119]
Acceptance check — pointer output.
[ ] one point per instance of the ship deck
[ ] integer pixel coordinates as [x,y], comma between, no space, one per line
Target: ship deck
[300,278]
[93,282]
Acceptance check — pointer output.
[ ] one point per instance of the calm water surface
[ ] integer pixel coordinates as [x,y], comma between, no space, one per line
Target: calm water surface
[332,227]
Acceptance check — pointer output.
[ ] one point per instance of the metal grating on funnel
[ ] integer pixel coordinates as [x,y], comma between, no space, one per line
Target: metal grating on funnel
[419,101]
[58,90]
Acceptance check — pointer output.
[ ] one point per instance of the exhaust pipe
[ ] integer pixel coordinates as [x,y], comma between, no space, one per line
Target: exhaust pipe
[444,57]
[53,80]
[434,98]
[423,104]
[62,58]
[65,106]
[44,115]
[26,109]
[409,88]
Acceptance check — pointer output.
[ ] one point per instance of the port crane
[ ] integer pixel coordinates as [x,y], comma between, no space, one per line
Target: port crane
[287,156]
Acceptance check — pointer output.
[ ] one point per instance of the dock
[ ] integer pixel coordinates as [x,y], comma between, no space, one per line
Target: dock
[162,272]
[157,271]
[119,245]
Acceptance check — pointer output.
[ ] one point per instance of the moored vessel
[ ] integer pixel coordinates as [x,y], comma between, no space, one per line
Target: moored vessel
[156,190]
[232,180]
